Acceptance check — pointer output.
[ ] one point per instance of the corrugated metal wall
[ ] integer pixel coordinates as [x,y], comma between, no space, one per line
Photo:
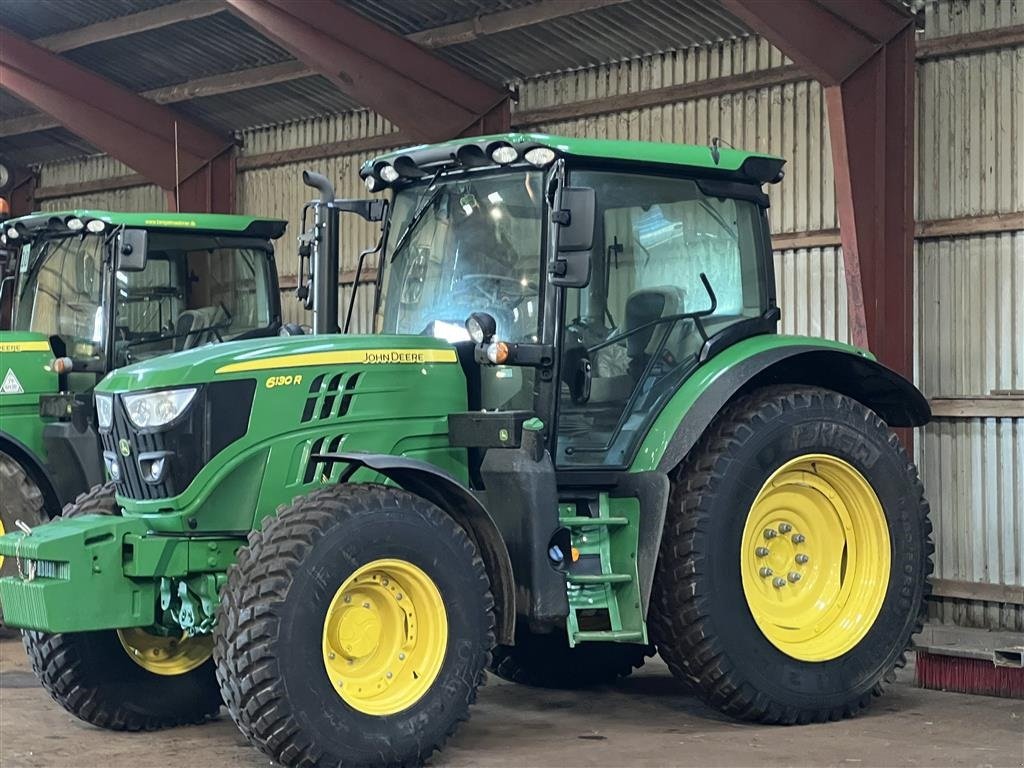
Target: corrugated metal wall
[278,192]
[970,316]
[145,198]
[970,123]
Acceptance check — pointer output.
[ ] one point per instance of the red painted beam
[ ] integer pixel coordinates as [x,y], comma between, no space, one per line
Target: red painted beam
[863,53]
[871,116]
[160,144]
[428,98]
[828,38]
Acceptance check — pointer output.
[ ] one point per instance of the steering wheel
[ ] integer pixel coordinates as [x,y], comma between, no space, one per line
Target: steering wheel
[497,293]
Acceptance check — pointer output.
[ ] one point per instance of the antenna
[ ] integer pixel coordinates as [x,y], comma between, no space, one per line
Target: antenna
[177,173]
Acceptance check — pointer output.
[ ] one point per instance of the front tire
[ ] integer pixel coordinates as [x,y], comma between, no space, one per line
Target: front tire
[92,675]
[22,499]
[793,568]
[354,629]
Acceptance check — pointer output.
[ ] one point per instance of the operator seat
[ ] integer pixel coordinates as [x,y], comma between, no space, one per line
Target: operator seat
[643,306]
[197,323]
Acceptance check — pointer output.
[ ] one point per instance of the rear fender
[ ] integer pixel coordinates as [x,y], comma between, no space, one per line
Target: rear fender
[440,488]
[881,389]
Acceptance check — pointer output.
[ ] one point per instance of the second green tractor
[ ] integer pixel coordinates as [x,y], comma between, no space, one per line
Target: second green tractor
[575,438]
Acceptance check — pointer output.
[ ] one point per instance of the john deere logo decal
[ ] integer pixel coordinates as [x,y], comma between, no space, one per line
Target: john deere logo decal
[124,447]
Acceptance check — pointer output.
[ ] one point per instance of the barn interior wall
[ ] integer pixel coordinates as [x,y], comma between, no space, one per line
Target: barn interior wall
[968,313]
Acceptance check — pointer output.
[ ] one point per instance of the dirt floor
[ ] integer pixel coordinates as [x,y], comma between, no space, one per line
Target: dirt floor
[648,720]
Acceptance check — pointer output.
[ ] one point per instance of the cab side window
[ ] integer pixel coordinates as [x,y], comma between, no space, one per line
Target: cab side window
[655,237]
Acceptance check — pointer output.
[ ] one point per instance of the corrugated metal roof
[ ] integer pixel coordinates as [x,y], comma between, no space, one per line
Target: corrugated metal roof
[269,105]
[180,52]
[44,146]
[222,43]
[39,18]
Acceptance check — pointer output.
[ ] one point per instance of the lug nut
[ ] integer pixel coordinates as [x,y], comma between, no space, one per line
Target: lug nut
[802,559]
[766,572]
[785,527]
[779,582]
[794,576]
[798,538]
[366,605]
[761,551]
[770,533]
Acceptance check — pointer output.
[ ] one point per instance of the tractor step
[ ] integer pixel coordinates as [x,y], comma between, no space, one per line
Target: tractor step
[604,593]
[583,522]
[600,578]
[622,636]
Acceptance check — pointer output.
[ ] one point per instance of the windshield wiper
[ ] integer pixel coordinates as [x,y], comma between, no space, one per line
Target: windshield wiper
[415,220]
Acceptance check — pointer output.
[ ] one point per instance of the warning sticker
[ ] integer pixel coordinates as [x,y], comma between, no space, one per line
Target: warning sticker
[11,385]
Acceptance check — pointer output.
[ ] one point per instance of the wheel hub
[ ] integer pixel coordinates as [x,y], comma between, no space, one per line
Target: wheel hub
[815,557]
[163,655]
[385,636]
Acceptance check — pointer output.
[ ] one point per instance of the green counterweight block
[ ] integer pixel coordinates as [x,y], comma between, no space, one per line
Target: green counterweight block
[71,577]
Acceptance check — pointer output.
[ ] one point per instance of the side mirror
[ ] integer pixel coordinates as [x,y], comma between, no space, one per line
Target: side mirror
[131,250]
[370,210]
[576,216]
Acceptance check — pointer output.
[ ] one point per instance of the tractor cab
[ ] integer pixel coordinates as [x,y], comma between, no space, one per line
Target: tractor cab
[111,289]
[93,291]
[605,281]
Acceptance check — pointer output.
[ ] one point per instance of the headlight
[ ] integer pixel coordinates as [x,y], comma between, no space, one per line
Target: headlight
[154,409]
[75,224]
[96,226]
[104,410]
[504,155]
[539,156]
[388,173]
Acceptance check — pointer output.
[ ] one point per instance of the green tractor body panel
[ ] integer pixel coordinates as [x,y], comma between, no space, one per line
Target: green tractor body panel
[753,165]
[25,373]
[220,223]
[664,427]
[307,397]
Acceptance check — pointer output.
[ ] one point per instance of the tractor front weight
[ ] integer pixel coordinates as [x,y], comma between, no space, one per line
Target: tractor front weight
[104,572]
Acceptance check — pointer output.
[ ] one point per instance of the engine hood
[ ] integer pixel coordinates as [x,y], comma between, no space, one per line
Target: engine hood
[276,356]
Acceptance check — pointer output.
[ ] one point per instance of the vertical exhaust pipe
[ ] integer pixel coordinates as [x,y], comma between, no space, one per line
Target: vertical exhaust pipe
[325,256]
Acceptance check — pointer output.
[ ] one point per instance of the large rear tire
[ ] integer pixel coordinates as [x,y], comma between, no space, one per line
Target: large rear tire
[793,568]
[354,629]
[20,499]
[112,679]
[547,661]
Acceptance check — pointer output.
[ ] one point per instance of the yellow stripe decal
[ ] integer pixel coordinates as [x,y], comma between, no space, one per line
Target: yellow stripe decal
[358,356]
[25,346]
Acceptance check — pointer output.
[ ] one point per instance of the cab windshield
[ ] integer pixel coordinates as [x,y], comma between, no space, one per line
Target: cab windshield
[60,293]
[471,244]
[193,290]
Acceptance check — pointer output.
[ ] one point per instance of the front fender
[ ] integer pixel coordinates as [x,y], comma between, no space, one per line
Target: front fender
[438,487]
[769,360]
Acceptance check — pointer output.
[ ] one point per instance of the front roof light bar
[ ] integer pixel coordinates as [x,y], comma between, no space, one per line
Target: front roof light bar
[420,163]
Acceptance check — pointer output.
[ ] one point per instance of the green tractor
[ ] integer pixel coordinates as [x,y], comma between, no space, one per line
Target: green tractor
[93,291]
[575,438]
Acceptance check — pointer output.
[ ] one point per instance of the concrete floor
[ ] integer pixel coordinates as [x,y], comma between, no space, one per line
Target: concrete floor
[647,720]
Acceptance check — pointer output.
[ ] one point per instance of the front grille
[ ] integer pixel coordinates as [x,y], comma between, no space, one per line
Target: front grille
[217,416]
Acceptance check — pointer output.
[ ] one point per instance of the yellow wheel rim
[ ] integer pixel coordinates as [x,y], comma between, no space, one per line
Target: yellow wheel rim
[2,532]
[815,557]
[165,655]
[385,636]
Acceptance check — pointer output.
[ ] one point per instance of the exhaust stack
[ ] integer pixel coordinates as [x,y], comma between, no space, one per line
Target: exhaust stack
[325,255]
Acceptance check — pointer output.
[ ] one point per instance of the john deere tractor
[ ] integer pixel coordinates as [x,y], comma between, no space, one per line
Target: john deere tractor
[575,438]
[93,291]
